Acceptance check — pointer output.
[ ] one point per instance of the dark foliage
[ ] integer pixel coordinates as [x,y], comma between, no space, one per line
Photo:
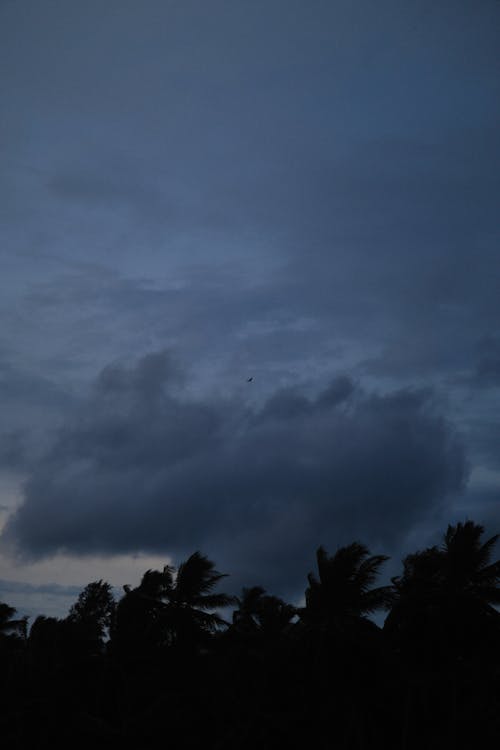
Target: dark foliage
[162,667]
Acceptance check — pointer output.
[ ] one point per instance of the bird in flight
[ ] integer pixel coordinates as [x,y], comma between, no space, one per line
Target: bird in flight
[249,380]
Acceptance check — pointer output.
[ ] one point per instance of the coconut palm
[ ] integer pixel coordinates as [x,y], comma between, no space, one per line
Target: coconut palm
[344,589]
[140,614]
[261,614]
[192,600]
[460,570]
[336,636]
[443,620]
[446,593]
[244,617]
[417,599]
[170,608]
[467,570]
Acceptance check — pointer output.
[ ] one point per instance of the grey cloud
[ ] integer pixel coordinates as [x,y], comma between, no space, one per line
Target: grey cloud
[20,587]
[142,468]
[31,408]
[106,189]
[17,385]
[113,184]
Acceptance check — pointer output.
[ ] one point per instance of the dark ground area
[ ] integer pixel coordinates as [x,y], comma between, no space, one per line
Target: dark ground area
[160,669]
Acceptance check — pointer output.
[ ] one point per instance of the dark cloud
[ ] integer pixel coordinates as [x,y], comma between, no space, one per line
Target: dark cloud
[268,189]
[488,367]
[345,175]
[143,468]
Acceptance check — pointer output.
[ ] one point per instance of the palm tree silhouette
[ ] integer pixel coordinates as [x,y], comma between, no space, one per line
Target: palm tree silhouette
[445,592]
[444,621]
[343,592]
[470,590]
[191,600]
[337,637]
[467,570]
[417,595]
[139,618]
[169,608]
[260,614]
[244,617]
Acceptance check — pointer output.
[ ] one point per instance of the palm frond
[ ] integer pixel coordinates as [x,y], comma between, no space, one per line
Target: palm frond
[214,601]
[196,576]
[379,598]
[488,575]
[486,550]
[250,598]
[344,585]
[368,571]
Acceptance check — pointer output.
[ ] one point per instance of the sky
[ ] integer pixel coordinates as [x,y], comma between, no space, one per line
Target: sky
[194,193]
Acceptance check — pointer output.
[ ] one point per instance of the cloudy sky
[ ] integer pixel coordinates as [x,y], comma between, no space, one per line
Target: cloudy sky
[198,192]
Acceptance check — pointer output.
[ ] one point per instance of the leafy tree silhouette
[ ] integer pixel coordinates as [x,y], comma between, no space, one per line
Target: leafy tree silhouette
[10,626]
[92,614]
[44,633]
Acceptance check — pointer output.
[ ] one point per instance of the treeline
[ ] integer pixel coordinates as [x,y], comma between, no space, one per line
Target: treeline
[161,667]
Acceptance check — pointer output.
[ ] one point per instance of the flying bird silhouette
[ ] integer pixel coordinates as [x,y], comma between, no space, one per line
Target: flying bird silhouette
[249,380]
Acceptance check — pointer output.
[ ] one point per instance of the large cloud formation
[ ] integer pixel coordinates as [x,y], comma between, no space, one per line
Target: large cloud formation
[144,467]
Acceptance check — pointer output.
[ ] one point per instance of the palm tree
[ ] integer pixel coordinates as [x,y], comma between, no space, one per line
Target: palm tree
[343,592]
[417,593]
[244,617]
[455,580]
[444,619]
[341,647]
[191,600]
[467,568]
[260,614]
[470,586]
[446,594]
[139,617]
[170,608]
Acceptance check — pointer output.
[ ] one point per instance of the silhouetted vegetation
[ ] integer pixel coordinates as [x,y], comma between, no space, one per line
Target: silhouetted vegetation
[163,666]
